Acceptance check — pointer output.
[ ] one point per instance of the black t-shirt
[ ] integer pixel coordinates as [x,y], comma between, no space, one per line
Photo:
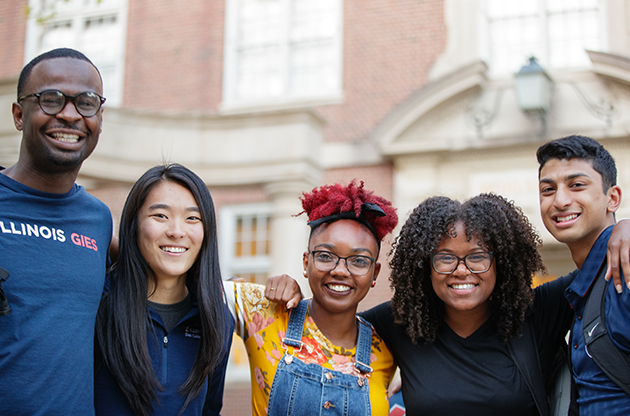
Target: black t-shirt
[171,314]
[474,375]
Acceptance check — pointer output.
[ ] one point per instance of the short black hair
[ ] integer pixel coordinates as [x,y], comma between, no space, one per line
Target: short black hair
[582,148]
[55,53]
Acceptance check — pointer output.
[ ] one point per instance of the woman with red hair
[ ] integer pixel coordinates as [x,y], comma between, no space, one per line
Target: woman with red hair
[321,355]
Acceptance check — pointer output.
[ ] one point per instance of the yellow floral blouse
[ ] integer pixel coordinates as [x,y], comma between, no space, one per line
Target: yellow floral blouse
[262,325]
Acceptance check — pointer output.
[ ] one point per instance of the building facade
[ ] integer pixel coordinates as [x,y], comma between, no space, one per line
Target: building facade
[266,99]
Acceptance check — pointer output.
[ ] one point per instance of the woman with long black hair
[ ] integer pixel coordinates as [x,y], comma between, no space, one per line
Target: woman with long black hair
[162,328]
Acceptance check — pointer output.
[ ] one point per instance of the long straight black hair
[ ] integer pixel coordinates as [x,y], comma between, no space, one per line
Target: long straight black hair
[123,320]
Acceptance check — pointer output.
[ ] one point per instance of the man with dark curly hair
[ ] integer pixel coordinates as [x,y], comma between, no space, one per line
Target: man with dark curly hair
[578,199]
[462,275]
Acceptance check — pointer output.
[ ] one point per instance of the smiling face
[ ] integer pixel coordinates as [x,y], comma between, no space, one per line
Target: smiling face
[59,143]
[338,290]
[463,291]
[170,231]
[573,205]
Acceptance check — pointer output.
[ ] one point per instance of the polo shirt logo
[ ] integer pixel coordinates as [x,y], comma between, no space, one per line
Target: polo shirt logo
[194,333]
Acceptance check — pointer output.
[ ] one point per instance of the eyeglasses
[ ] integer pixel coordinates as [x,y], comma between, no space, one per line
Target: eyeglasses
[325,261]
[447,263]
[52,102]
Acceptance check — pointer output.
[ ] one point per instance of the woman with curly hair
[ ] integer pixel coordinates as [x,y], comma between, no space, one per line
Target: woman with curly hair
[462,275]
[322,358]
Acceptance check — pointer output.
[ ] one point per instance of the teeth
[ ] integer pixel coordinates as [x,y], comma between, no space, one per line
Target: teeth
[69,138]
[463,287]
[567,218]
[174,249]
[338,288]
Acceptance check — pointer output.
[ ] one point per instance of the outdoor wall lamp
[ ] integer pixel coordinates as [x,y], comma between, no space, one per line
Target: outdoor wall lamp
[534,88]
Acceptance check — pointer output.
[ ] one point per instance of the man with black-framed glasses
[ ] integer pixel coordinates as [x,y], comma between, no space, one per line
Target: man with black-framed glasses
[54,238]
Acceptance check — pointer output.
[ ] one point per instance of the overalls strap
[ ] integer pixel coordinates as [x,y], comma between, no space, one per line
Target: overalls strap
[363,355]
[295,327]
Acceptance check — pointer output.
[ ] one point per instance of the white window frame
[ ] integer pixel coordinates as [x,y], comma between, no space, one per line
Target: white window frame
[483,33]
[230,264]
[77,13]
[230,56]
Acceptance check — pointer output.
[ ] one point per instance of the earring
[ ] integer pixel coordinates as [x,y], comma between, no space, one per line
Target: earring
[373,283]
[304,273]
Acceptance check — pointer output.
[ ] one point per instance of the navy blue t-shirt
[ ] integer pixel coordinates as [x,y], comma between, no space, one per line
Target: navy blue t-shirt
[55,247]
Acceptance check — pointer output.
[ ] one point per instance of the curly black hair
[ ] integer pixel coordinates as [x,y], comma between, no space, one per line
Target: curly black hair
[500,226]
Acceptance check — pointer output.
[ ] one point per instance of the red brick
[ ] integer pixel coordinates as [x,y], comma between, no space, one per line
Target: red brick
[13,33]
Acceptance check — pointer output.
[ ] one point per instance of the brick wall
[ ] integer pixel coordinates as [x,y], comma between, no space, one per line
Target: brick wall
[388,49]
[174,59]
[12,33]
[173,56]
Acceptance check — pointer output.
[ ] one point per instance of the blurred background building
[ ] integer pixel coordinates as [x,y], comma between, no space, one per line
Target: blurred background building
[265,99]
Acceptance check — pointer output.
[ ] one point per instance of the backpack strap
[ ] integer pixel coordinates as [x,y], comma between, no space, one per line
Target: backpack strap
[524,352]
[599,346]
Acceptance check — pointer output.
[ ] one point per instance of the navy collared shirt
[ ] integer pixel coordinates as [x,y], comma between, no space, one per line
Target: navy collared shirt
[598,394]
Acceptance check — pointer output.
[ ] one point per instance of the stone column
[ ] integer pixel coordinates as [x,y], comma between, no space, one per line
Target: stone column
[289,234]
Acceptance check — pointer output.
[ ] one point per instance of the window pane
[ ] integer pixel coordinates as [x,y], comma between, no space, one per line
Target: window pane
[570,33]
[500,9]
[94,28]
[513,41]
[556,33]
[313,19]
[260,22]
[58,35]
[252,236]
[286,48]
[260,72]
[312,67]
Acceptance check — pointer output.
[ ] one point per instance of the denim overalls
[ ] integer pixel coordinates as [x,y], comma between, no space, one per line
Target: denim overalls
[310,389]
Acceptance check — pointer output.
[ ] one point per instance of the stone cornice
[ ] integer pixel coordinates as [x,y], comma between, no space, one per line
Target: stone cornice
[612,66]
[468,78]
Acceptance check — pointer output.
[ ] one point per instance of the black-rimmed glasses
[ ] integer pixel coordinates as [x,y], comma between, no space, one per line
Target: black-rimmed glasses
[325,261]
[447,263]
[52,102]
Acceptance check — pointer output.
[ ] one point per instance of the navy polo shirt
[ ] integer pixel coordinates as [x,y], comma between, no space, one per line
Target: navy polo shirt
[598,394]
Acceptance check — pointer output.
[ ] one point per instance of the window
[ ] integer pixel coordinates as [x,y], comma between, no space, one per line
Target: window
[557,32]
[245,239]
[245,234]
[94,27]
[282,50]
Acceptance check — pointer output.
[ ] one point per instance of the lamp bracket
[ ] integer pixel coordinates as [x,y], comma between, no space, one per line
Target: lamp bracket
[481,117]
[605,110]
